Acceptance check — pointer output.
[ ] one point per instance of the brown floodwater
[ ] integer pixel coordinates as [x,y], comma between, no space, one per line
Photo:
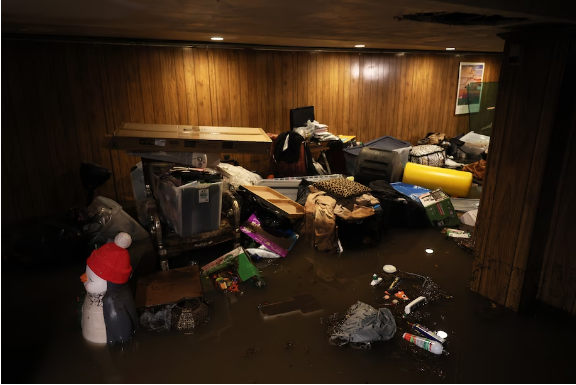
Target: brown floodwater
[42,340]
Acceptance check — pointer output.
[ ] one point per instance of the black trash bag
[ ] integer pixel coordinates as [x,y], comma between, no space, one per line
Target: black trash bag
[364,324]
[52,242]
[398,209]
[272,221]
[303,192]
[361,232]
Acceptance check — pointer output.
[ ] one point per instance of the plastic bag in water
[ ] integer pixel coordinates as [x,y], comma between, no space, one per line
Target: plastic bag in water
[364,324]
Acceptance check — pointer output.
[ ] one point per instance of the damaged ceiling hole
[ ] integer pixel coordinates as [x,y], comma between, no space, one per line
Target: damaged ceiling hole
[460,18]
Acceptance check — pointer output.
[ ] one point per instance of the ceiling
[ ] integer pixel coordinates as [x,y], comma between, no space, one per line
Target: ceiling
[305,23]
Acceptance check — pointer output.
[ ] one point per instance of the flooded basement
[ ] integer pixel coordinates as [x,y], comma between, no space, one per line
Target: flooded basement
[42,340]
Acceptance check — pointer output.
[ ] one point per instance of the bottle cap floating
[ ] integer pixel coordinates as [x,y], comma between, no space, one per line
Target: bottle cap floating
[389,269]
[429,251]
[442,334]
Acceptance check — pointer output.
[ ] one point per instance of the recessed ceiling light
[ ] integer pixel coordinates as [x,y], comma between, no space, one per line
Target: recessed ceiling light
[216,38]
[359,46]
[450,48]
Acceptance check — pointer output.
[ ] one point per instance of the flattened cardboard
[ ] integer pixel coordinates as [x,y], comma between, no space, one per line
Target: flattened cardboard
[183,138]
[167,287]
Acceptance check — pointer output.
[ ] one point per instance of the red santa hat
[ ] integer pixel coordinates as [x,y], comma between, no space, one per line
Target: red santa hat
[111,262]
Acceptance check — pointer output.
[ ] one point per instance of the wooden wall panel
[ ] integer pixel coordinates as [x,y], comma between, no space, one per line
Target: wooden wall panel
[70,95]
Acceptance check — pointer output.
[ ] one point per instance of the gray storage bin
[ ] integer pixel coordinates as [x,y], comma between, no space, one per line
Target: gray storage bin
[192,208]
[289,186]
[377,164]
[384,143]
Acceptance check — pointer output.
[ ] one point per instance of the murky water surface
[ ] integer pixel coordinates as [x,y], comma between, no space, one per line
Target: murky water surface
[42,341]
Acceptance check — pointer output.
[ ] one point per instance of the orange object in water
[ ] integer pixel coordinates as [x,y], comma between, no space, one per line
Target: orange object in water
[401,295]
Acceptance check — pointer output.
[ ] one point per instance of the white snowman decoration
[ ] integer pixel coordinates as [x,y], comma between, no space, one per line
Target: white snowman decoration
[108,313]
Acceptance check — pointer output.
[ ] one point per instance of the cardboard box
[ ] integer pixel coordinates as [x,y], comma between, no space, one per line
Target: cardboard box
[439,208]
[203,139]
[166,287]
[278,245]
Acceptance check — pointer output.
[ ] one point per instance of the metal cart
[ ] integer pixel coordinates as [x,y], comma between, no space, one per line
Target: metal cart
[169,244]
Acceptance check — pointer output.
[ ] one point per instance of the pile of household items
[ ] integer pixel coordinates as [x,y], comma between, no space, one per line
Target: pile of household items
[346,197]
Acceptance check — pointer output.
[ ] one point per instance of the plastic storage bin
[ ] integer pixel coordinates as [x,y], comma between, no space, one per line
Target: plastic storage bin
[384,143]
[289,186]
[107,219]
[192,208]
[377,164]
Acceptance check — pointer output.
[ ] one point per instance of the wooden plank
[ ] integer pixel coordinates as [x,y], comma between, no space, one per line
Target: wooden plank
[168,66]
[320,95]
[213,88]
[146,84]
[70,134]
[392,94]
[247,98]
[157,88]
[249,89]
[262,85]
[379,128]
[133,85]
[181,88]
[345,108]
[95,115]
[27,132]
[49,116]
[203,90]
[114,113]
[312,64]
[334,122]
[354,94]
[190,86]
[287,89]
[17,198]
[280,123]
[372,101]
[235,89]
[302,79]
[221,60]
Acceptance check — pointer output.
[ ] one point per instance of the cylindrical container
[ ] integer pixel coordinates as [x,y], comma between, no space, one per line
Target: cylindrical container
[427,333]
[424,343]
[454,183]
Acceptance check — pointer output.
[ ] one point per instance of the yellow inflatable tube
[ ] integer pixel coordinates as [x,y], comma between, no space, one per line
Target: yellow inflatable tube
[454,183]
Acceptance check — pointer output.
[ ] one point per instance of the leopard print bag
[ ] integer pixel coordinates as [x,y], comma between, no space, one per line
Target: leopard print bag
[342,188]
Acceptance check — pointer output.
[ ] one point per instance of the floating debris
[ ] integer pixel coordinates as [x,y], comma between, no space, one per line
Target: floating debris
[250,351]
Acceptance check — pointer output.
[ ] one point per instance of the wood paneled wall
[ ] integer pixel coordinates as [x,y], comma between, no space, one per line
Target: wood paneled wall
[59,99]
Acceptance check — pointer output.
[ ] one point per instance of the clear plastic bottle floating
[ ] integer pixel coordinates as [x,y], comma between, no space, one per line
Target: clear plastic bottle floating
[424,343]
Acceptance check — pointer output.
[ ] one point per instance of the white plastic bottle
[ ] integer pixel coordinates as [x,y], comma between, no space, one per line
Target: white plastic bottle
[424,343]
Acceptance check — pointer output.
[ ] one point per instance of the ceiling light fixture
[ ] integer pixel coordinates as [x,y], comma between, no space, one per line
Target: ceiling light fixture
[359,46]
[450,48]
[216,38]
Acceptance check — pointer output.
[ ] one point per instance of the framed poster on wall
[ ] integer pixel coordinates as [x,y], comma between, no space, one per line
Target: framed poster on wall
[469,86]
